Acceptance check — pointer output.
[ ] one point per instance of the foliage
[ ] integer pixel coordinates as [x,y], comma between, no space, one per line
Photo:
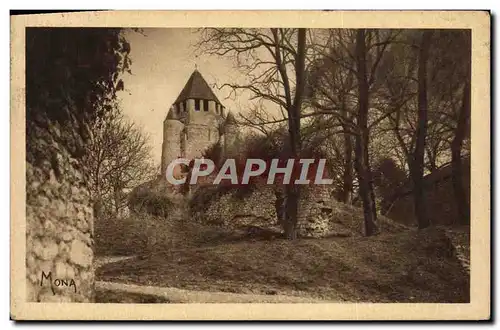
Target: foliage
[72,76]
[146,199]
[388,177]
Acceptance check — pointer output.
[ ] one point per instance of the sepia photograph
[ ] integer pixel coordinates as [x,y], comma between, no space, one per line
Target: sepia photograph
[287,163]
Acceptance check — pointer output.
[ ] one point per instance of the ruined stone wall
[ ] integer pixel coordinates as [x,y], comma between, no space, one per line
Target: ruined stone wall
[315,209]
[440,199]
[320,215]
[59,223]
[235,209]
[258,208]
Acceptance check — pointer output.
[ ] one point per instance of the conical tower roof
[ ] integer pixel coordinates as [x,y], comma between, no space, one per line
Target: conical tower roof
[172,114]
[230,119]
[196,88]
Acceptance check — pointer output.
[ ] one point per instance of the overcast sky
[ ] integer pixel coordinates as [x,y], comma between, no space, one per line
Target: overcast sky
[162,62]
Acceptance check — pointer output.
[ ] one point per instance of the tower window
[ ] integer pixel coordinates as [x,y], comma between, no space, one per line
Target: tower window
[205,105]
[196,105]
[184,106]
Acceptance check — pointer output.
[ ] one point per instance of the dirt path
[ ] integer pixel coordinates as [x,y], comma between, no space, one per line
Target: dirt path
[103,260]
[174,295]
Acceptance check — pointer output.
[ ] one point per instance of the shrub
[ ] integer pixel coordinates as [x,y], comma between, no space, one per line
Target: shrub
[148,198]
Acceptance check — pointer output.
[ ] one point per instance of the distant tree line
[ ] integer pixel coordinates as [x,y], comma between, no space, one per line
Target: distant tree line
[386,105]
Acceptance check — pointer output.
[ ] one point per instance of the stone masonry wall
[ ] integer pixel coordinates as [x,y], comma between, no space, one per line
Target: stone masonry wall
[320,215]
[59,223]
[232,210]
[315,209]
[440,199]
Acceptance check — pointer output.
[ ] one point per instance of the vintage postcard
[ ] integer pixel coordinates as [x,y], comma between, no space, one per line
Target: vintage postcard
[246,165]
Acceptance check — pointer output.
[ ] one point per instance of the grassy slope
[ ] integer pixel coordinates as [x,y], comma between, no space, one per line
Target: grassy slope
[403,267]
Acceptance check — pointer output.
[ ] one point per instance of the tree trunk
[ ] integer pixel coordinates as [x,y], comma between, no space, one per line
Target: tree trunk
[291,211]
[417,166]
[362,139]
[292,191]
[463,208]
[347,177]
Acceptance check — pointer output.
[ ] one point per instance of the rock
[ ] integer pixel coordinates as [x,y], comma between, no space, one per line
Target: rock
[60,269]
[85,276]
[42,202]
[44,266]
[49,226]
[85,238]
[67,236]
[63,249]
[49,251]
[82,225]
[70,271]
[35,185]
[80,253]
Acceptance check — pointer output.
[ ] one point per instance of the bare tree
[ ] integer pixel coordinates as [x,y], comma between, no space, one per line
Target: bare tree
[363,138]
[273,61]
[344,87]
[332,88]
[118,159]
[431,101]
[460,134]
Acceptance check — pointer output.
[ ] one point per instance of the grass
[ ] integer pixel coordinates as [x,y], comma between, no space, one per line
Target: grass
[410,266]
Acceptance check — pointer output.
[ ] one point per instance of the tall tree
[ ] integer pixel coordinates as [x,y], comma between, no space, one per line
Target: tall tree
[459,137]
[292,191]
[417,165]
[331,88]
[428,96]
[363,138]
[273,63]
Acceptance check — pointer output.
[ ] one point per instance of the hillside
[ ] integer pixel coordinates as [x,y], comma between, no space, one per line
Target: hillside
[410,266]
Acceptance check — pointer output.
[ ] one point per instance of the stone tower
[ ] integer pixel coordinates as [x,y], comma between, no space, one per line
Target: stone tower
[231,135]
[193,121]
